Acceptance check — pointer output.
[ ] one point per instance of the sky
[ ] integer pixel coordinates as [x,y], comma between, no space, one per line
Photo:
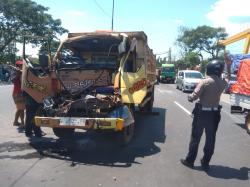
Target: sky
[159,19]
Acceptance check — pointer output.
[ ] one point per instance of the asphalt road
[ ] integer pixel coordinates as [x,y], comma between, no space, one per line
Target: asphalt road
[151,160]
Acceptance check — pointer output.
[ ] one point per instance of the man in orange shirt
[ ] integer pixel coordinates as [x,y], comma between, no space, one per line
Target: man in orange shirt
[18,95]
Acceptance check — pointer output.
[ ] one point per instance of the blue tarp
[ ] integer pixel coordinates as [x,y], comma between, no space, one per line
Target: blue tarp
[120,112]
[236,58]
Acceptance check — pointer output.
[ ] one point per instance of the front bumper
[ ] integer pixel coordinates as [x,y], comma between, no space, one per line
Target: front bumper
[115,124]
[116,120]
[189,87]
[165,78]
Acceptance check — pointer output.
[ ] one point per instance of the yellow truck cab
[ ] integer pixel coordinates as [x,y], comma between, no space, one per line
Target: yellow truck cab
[93,82]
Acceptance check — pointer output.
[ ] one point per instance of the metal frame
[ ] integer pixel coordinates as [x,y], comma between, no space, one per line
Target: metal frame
[242,35]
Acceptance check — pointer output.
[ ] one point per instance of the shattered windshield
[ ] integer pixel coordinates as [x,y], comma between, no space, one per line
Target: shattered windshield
[69,58]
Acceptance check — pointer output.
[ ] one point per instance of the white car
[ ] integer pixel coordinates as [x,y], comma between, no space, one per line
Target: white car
[187,80]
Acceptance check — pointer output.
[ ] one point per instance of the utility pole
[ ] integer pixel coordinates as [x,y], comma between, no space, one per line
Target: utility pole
[112,26]
[169,56]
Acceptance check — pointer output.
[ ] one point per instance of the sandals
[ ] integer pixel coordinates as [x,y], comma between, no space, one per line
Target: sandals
[16,124]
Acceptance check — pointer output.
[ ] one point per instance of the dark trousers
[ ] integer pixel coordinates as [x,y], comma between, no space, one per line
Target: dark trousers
[29,121]
[208,120]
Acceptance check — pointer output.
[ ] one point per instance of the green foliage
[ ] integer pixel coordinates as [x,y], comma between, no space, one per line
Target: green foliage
[160,61]
[203,66]
[202,39]
[8,54]
[19,18]
[52,46]
[192,59]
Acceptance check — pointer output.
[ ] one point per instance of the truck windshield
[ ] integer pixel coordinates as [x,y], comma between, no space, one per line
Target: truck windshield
[167,69]
[72,58]
[193,75]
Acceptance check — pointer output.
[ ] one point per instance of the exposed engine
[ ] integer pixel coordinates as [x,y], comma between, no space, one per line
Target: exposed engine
[98,105]
[86,93]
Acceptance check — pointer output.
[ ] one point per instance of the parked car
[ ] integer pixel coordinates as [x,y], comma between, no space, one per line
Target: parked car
[187,80]
[233,79]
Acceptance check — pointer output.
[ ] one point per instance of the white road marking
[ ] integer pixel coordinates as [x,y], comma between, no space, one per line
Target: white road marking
[164,91]
[167,91]
[179,105]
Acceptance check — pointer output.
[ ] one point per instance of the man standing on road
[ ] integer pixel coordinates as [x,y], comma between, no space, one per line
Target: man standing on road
[31,109]
[18,95]
[206,113]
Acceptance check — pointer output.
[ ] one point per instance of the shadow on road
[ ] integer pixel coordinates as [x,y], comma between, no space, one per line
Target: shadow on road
[98,148]
[242,125]
[225,172]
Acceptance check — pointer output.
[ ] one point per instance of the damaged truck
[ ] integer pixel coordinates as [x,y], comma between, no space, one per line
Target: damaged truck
[93,82]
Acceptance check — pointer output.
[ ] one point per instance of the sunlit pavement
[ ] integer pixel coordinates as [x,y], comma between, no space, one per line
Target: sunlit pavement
[152,158]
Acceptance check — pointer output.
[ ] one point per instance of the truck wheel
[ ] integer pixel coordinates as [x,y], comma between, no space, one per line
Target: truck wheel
[182,88]
[64,132]
[247,123]
[148,107]
[126,134]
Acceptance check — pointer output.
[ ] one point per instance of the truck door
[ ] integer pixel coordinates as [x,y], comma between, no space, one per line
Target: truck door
[133,82]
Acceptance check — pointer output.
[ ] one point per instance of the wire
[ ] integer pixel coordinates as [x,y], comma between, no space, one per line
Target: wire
[100,7]
[162,53]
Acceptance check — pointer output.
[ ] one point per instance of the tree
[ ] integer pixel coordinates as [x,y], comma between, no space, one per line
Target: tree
[51,45]
[202,39]
[20,18]
[192,59]
[160,61]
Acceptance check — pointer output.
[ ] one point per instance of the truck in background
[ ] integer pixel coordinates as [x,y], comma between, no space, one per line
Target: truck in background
[94,82]
[167,73]
[240,90]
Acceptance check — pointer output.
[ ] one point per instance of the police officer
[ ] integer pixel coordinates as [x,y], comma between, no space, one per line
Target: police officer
[206,113]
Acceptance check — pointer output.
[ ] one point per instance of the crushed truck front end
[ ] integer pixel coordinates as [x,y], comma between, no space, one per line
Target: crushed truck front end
[99,78]
[116,120]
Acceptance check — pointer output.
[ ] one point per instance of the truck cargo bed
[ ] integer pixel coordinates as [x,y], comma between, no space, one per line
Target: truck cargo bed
[240,100]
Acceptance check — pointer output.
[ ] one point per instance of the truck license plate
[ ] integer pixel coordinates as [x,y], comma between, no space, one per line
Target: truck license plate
[66,121]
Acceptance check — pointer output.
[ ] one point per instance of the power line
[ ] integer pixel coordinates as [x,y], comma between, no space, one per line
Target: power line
[100,7]
[162,53]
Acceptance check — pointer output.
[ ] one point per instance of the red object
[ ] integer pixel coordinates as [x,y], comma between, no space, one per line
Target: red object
[242,86]
[19,62]
[17,85]
[54,85]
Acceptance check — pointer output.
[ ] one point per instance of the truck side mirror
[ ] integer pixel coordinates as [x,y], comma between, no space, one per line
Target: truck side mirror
[133,45]
[44,60]
[122,46]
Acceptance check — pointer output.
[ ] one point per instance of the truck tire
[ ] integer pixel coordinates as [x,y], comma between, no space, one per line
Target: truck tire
[64,133]
[247,123]
[148,107]
[182,88]
[125,136]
